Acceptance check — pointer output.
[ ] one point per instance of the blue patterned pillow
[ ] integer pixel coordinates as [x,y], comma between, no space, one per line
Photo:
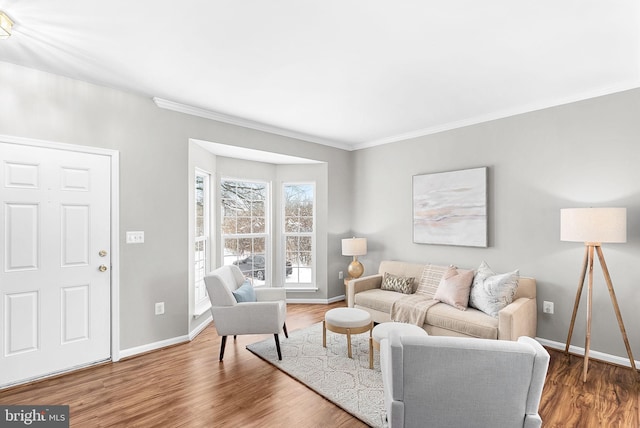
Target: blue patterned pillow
[245,293]
[491,292]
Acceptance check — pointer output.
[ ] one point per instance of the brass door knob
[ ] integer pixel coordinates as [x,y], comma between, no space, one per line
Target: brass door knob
[102,253]
[102,268]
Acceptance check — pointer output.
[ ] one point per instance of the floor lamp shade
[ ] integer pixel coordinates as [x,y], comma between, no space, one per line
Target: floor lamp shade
[354,247]
[593,225]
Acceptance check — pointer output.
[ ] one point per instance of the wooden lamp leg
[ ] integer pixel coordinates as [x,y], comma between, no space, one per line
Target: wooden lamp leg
[577,302]
[587,339]
[588,267]
[612,294]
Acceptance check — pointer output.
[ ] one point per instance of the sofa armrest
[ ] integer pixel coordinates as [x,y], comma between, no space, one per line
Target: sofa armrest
[517,319]
[359,285]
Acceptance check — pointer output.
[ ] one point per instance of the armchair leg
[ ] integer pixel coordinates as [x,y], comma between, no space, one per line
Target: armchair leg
[286,333]
[278,346]
[223,343]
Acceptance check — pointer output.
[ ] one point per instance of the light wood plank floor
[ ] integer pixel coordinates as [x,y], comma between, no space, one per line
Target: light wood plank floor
[186,386]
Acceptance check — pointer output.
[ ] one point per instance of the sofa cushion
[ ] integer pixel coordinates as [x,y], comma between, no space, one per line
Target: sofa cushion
[430,279]
[454,288]
[401,284]
[491,292]
[377,299]
[471,322]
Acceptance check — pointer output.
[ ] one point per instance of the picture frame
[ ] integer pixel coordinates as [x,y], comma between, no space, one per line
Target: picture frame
[450,208]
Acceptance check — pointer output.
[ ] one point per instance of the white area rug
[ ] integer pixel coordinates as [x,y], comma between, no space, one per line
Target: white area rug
[348,383]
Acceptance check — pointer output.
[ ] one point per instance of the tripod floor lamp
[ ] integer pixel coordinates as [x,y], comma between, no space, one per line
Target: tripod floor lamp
[594,226]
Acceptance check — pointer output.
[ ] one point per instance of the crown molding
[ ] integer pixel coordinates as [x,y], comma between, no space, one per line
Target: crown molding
[233,120]
[246,123]
[500,115]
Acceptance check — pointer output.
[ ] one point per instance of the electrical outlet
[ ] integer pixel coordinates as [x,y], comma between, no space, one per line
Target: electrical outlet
[135,237]
[159,308]
[340,275]
[547,307]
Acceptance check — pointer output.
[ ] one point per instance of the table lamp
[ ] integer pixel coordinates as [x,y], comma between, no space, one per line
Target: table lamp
[354,247]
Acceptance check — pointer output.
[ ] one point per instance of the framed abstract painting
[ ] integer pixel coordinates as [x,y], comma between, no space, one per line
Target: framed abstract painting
[450,208]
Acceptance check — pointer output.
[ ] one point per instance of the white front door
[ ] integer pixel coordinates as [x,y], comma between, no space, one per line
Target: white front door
[55,287]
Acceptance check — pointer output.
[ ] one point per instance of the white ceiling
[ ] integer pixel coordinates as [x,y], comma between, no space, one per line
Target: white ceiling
[347,73]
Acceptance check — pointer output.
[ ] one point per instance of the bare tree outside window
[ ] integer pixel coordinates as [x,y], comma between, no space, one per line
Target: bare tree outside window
[244,227]
[298,228]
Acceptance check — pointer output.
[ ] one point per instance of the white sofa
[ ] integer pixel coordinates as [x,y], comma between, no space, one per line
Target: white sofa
[461,382]
[519,318]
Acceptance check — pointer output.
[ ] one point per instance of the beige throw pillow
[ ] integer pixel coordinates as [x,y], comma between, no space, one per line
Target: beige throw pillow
[454,288]
[401,284]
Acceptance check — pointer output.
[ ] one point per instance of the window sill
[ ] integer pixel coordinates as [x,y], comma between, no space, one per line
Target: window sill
[302,289]
[201,308]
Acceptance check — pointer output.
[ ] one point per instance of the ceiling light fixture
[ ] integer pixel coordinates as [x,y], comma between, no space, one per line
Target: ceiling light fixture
[5,25]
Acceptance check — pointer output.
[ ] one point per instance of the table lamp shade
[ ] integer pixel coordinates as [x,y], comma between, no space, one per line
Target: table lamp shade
[593,225]
[354,247]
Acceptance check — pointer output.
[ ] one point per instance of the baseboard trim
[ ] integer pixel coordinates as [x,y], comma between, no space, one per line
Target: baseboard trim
[596,355]
[196,331]
[317,301]
[131,352]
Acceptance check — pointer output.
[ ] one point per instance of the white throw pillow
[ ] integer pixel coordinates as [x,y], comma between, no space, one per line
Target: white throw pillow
[491,292]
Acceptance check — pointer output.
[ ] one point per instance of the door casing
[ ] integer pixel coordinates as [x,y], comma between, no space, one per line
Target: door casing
[115,223]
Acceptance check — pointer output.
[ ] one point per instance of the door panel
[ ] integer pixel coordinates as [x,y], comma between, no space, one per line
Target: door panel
[21,323]
[21,236]
[75,235]
[55,216]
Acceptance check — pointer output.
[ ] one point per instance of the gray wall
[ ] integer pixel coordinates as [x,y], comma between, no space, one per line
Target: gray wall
[154,182]
[578,155]
[581,154]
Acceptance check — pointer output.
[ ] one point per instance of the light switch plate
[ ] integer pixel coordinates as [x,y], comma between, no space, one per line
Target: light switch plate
[135,237]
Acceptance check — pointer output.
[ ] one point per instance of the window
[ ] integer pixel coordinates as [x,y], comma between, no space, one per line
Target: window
[244,224]
[201,236]
[299,234]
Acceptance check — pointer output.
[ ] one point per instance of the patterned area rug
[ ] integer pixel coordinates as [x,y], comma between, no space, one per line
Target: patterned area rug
[348,383]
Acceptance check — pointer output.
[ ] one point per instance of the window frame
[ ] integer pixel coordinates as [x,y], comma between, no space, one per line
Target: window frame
[200,296]
[299,286]
[266,235]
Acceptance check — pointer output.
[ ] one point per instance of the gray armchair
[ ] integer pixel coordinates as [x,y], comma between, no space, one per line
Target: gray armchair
[266,315]
[438,381]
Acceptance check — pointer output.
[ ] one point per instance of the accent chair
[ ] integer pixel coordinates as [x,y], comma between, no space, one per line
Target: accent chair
[440,381]
[265,315]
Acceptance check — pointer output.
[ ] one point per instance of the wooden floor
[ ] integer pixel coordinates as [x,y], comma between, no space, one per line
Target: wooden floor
[186,386]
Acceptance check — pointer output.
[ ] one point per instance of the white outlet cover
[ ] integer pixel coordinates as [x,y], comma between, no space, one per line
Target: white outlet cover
[159,308]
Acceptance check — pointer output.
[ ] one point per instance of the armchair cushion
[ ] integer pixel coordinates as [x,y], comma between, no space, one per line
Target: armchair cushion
[245,293]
